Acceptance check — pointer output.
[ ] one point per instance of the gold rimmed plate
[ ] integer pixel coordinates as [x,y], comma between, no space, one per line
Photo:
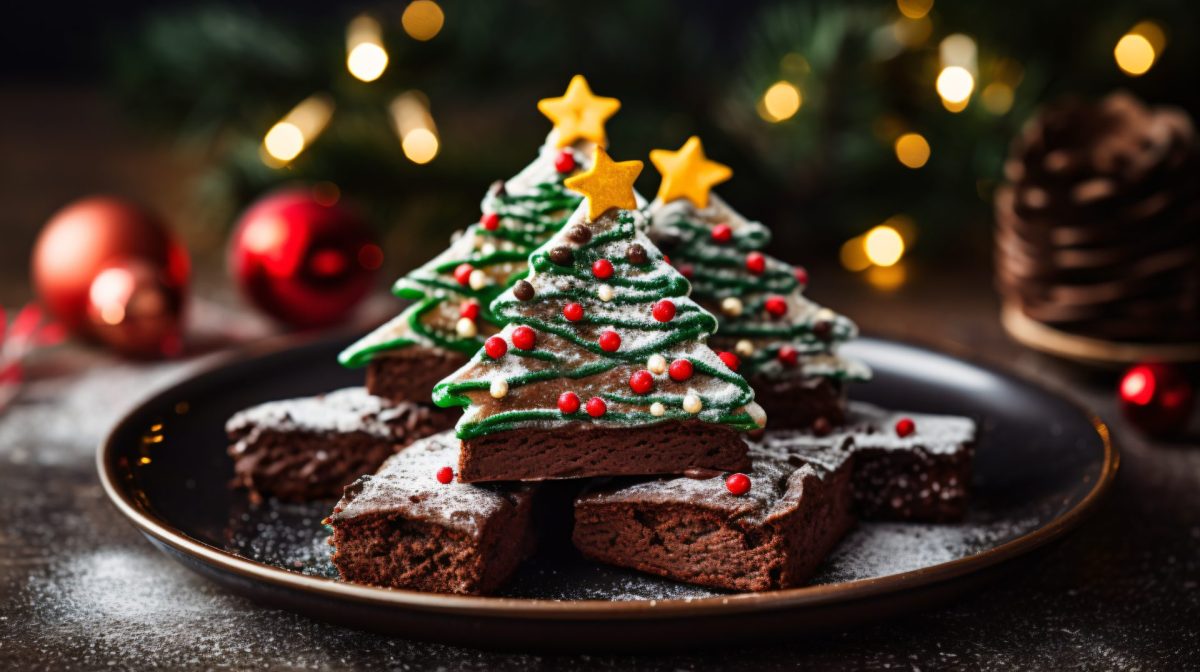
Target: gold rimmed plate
[1041,466]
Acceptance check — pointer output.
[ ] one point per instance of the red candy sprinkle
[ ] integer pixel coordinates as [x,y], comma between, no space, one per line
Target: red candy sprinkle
[469,309]
[756,263]
[687,271]
[680,370]
[802,276]
[523,337]
[495,347]
[731,360]
[445,475]
[568,402]
[596,407]
[641,382]
[737,484]
[776,305]
[490,221]
[722,233]
[788,355]
[573,312]
[602,268]
[610,341]
[462,273]
[663,310]
[565,161]
[905,426]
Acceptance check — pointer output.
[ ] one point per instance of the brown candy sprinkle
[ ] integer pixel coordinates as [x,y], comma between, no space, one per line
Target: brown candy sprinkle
[523,290]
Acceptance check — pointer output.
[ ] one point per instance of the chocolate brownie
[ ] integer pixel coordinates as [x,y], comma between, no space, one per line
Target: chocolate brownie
[798,402]
[531,454]
[404,528]
[408,374]
[310,448]
[695,530]
[924,476]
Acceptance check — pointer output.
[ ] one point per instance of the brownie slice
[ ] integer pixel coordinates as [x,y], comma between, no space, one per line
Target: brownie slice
[532,454]
[797,402]
[692,530]
[925,476]
[403,528]
[408,374]
[310,448]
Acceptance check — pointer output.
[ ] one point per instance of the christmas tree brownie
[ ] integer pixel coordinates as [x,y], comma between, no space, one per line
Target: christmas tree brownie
[603,367]
[449,318]
[783,343]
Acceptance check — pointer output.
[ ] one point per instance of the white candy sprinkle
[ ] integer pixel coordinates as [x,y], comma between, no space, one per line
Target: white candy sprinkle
[466,328]
[658,410]
[731,306]
[657,364]
[478,279]
[499,388]
[487,249]
[825,315]
[605,292]
[692,403]
[744,348]
[757,414]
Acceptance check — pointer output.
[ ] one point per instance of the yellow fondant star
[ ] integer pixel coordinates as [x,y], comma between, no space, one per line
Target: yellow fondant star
[578,114]
[687,173]
[608,184]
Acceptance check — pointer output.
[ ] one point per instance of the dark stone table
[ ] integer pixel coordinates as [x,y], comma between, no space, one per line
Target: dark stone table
[80,589]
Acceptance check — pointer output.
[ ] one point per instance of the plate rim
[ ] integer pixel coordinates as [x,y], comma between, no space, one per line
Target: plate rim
[585,609]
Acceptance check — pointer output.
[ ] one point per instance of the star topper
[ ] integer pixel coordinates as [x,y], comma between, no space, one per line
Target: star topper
[608,184]
[687,173]
[578,114]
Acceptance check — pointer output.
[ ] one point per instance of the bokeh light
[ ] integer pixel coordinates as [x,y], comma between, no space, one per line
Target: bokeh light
[422,20]
[1134,54]
[914,9]
[955,84]
[997,97]
[415,127]
[912,150]
[366,59]
[883,245]
[284,141]
[781,102]
[420,145]
[291,135]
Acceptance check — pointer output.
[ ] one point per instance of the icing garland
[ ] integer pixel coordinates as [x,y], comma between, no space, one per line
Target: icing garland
[597,332]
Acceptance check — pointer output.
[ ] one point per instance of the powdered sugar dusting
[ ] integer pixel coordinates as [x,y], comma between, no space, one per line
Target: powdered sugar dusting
[348,410]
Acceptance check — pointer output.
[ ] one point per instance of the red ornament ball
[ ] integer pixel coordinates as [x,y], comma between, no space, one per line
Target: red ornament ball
[568,402]
[641,382]
[730,360]
[905,427]
[462,273]
[596,407]
[1157,398]
[687,271]
[776,306]
[788,355]
[490,221]
[680,370]
[602,268]
[445,475]
[737,484]
[303,258]
[495,347]
[469,309]
[756,263]
[722,233]
[610,341]
[565,161]
[81,239]
[134,309]
[573,312]
[802,276]
[663,310]
[524,338]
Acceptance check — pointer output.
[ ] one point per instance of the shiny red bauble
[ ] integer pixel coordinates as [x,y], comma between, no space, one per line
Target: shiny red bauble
[737,484]
[524,338]
[303,258]
[680,370]
[610,341]
[596,407]
[568,402]
[664,310]
[134,308]
[1157,398]
[83,238]
[641,382]
[495,347]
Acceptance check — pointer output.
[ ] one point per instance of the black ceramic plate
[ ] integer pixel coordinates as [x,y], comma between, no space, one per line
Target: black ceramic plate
[1041,465]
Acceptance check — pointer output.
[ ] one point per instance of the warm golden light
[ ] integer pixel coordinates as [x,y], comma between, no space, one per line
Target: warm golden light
[912,32]
[1135,55]
[781,102]
[887,278]
[297,130]
[914,9]
[1153,33]
[958,49]
[912,150]
[955,84]
[414,124]
[883,245]
[422,20]
[853,255]
[366,58]
[997,97]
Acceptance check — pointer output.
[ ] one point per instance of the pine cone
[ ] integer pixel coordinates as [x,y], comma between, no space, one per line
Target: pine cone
[1098,228]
